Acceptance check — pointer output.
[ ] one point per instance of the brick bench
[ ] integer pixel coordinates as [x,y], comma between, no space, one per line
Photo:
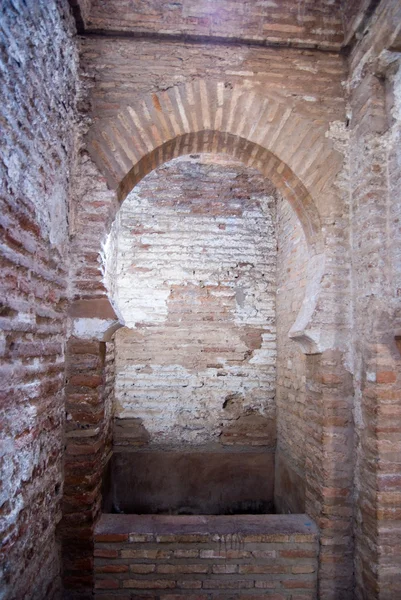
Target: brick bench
[241,557]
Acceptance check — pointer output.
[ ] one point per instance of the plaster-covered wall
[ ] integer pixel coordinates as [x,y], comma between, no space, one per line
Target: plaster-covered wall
[194,282]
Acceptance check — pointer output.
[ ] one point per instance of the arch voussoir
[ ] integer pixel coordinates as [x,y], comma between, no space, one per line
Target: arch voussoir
[207,105]
[215,116]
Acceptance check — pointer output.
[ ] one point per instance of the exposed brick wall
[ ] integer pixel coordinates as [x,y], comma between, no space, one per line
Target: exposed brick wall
[206,558]
[284,88]
[92,203]
[381,32]
[292,257]
[308,80]
[329,468]
[38,63]
[374,152]
[389,413]
[284,101]
[287,22]
[194,279]
[293,85]
[110,378]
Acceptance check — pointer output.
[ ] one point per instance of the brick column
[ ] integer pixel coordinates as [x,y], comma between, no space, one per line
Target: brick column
[89,389]
[87,440]
[329,469]
[377,379]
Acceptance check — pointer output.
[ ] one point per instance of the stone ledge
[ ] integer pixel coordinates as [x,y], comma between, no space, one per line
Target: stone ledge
[208,525]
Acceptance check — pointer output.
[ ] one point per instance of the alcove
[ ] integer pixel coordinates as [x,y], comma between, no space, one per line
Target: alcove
[205,266]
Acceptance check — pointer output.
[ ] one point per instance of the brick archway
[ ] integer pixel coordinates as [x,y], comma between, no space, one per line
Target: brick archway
[289,185]
[264,132]
[164,127]
[295,154]
[132,133]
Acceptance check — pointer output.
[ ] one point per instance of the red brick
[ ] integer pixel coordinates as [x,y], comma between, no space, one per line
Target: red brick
[142,584]
[111,568]
[106,584]
[263,569]
[386,377]
[142,568]
[111,537]
[292,584]
[105,553]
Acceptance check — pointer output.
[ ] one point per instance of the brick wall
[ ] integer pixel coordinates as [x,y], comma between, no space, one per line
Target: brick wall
[374,161]
[308,80]
[194,281]
[37,102]
[389,417]
[38,63]
[294,95]
[292,257]
[203,558]
[317,23]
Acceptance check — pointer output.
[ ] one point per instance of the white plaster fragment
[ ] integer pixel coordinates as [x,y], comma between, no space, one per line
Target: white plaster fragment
[91,328]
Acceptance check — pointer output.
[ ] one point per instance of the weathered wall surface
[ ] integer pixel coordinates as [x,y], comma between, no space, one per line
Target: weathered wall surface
[151,78]
[316,23]
[37,102]
[90,208]
[194,281]
[375,162]
[206,480]
[121,70]
[292,258]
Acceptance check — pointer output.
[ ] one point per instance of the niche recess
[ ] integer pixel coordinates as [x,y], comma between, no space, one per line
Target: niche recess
[191,268]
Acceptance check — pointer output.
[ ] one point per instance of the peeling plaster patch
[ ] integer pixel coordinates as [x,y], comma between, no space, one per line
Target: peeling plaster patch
[396,111]
[3,343]
[267,353]
[152,300]
[58,221]
[90,329]
[240,297]
[173,406]
[26,318]
[311,339]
